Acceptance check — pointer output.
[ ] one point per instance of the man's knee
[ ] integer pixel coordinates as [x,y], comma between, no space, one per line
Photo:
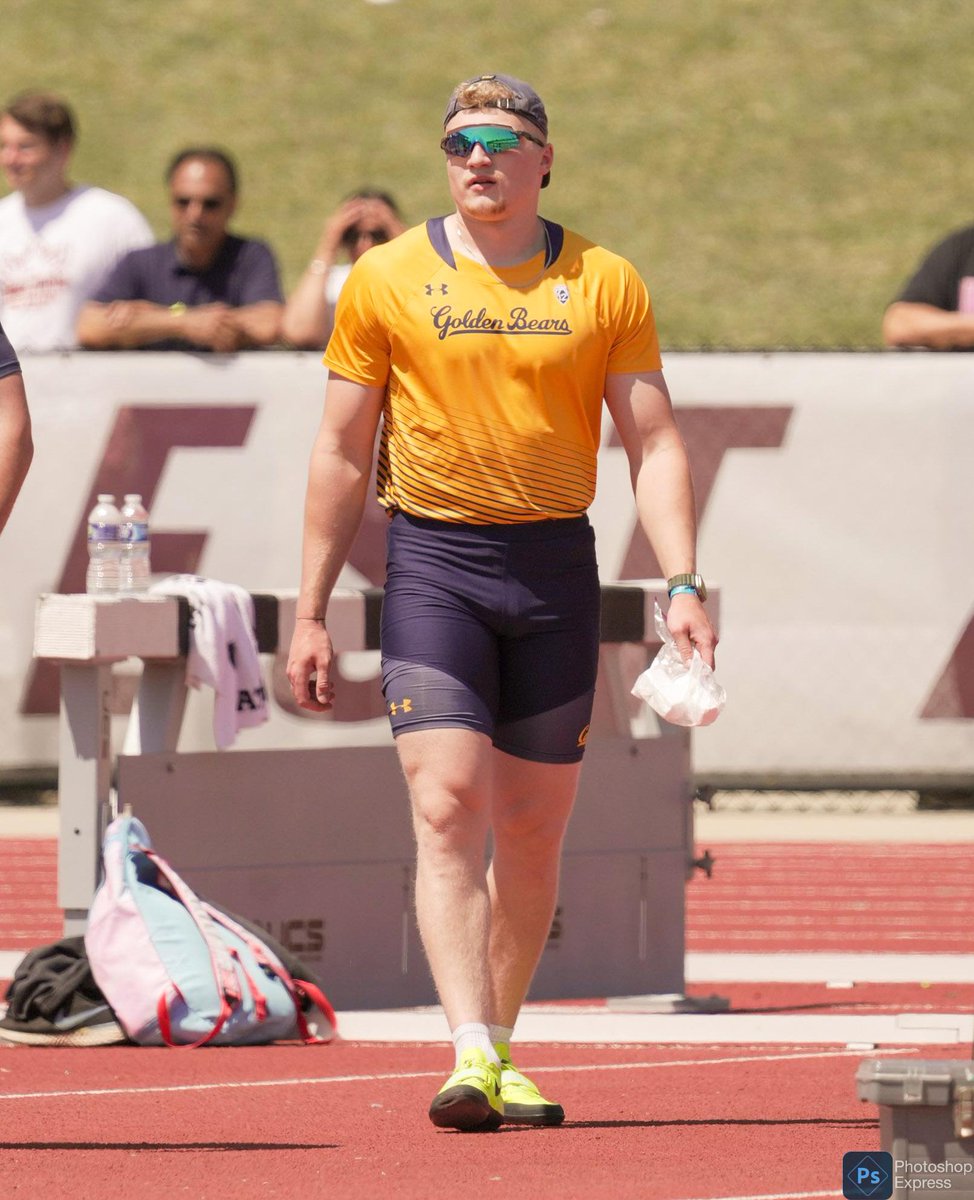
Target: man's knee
[532,827]
[448,785]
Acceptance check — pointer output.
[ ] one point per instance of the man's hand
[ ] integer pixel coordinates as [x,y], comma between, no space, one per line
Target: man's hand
[351,218]
[687,620]
[344,218]
[211,325]
[309,666]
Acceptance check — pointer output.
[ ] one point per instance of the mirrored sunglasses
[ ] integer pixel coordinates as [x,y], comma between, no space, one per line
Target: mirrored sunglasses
[493,139]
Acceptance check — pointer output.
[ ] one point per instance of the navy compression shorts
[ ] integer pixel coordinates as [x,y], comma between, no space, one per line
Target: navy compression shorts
[493,628]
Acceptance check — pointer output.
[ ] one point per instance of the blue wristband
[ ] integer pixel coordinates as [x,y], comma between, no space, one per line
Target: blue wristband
[683,587]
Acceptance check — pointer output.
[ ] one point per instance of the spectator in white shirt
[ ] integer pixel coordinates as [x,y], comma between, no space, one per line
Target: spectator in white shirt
[58,240]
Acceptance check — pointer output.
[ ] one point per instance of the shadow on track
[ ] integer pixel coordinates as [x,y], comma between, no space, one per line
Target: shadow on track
[706,1123]
[178,1147]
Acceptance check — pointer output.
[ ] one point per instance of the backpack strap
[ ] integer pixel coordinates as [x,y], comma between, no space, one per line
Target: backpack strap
[297,989]
[221,958]
[165,1024]
[320,1001]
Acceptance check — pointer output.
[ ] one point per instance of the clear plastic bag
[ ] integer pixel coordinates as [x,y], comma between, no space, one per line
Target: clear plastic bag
[682,694]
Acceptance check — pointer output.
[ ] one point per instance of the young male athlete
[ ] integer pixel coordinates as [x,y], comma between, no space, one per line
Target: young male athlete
[487,340]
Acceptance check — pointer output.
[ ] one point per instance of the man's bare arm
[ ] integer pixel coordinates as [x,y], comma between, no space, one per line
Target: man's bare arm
[16,443]
[906,323]
[338,480]
[128,324]
[660,473]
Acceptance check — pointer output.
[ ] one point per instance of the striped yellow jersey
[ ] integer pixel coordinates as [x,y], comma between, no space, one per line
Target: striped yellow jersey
[494,391]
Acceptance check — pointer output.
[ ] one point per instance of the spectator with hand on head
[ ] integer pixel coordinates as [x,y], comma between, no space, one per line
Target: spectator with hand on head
[365,218]
[16,445]
[206,289]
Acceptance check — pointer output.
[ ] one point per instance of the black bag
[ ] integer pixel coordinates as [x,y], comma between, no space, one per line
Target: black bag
[53,1000]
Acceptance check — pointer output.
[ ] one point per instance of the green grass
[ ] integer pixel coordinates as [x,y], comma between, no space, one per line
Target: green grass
[774,169]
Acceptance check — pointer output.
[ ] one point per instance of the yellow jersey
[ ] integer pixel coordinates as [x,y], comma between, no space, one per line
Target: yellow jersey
[494,391]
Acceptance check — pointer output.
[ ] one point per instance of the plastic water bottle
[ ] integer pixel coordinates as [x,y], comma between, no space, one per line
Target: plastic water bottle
[133,536]
[103,547]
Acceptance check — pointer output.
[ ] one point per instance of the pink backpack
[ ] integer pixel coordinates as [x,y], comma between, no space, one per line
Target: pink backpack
[179,972]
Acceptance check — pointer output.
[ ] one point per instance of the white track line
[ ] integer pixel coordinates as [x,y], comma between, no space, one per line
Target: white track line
[812,967]
[229,1085]
[778,967]
[778,1196]
[634,1025]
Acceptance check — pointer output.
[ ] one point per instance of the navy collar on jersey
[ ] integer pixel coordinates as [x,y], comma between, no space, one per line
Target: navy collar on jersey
[436,232]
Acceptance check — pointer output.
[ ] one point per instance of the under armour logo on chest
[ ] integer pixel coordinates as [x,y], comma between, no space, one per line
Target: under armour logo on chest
[433,287]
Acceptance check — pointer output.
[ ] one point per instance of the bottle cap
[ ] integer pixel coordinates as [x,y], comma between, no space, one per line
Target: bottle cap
[133,496]
[106,498]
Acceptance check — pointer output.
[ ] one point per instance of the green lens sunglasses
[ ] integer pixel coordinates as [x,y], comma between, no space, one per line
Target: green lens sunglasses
[493,139]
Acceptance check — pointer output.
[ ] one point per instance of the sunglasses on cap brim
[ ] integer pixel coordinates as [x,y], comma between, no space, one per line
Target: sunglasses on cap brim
[493,139]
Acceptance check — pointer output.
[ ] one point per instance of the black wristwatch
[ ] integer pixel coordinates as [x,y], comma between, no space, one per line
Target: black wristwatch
[682,583]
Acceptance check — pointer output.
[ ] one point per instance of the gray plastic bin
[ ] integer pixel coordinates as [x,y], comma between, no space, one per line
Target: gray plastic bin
[926,1123]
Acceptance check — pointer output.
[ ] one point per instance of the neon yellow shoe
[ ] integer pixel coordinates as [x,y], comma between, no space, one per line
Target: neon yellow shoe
[471,1098]
[523,1103]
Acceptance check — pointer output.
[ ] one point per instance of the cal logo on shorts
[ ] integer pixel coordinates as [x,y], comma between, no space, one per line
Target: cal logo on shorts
[396,708]
[583,736]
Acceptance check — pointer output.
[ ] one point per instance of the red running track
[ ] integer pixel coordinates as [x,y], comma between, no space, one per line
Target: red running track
[765,897]
[644,1123]
[348,1122]
[834,898]
[29,915]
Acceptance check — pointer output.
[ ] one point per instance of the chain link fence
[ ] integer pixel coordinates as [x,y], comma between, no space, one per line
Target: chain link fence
[878,802]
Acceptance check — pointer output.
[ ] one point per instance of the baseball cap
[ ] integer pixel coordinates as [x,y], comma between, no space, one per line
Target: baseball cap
[525,102]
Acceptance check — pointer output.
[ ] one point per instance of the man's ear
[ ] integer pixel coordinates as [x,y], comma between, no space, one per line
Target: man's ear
[63,150]
[547,158]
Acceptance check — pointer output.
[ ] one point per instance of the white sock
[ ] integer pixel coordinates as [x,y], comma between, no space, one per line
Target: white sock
[502,1034]
[473,1036]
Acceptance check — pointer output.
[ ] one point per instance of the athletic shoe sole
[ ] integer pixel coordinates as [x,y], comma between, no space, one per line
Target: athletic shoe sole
[464,1108]
[533,1114]
[93,1035]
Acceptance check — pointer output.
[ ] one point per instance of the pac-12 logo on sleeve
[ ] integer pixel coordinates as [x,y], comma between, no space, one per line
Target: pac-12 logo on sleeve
[867,1173]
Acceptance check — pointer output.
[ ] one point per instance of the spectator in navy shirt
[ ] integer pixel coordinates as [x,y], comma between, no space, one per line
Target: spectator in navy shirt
[16,444]
[205,290]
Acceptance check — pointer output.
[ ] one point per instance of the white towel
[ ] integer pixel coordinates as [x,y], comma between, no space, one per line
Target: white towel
[222,652]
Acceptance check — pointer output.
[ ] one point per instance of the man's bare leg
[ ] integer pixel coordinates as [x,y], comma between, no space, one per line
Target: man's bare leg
[449,776]
[532,804]
[448,772]
[531,807]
